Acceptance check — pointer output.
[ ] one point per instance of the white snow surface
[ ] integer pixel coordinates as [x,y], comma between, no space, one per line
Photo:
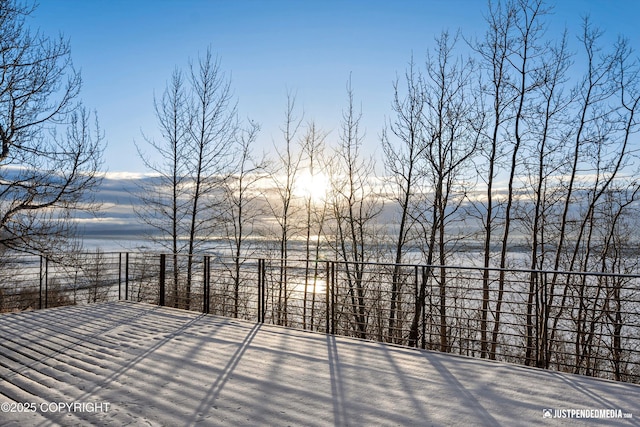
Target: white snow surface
[162,366]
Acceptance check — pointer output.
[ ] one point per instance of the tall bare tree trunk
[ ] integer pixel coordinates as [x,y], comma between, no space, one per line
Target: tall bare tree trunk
[494,51]
[402,159]
[355,209]
[282,207]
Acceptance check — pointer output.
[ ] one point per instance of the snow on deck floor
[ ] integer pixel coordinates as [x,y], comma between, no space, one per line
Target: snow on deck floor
[162,366]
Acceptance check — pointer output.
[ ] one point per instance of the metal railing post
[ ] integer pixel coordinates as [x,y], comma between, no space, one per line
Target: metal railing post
[423,342]
[259,308]
[119,276]
[46,282]
[545,320]
[40,294]
[537,342]
[260,291]
[206,274]
[163,263]
[126,277]
[327,290]
[261,297]
[333,297]
[264,290]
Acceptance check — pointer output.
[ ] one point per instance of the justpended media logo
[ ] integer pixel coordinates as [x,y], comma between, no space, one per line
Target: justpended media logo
[585,413]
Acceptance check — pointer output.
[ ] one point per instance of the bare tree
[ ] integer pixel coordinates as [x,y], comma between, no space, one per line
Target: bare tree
[242,207]
[494,51]
[316,207]
[606,153]
[51,151]
[600,151]
[197,121]
[164,196]
[450,120]
[546,157]
[527,60]
[403,157]
[281,206]
[355,207]
[212,124]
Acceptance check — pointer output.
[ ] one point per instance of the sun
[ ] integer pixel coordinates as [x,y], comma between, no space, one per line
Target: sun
[311,186]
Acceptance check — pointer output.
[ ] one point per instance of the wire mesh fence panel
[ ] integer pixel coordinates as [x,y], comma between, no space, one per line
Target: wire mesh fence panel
[233,287]
[20,283]
[32,282]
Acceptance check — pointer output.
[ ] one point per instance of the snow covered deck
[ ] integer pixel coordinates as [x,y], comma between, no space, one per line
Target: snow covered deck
[137,364]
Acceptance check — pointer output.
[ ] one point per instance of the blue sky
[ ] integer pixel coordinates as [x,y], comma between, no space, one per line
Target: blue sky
[126,51]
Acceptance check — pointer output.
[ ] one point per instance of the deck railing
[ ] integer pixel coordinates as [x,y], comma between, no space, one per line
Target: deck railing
[586,323]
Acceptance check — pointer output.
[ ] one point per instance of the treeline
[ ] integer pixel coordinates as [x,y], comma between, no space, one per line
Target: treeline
[517,137]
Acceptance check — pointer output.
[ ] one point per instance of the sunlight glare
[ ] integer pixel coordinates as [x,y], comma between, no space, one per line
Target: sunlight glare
[316,286]
[312,186]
